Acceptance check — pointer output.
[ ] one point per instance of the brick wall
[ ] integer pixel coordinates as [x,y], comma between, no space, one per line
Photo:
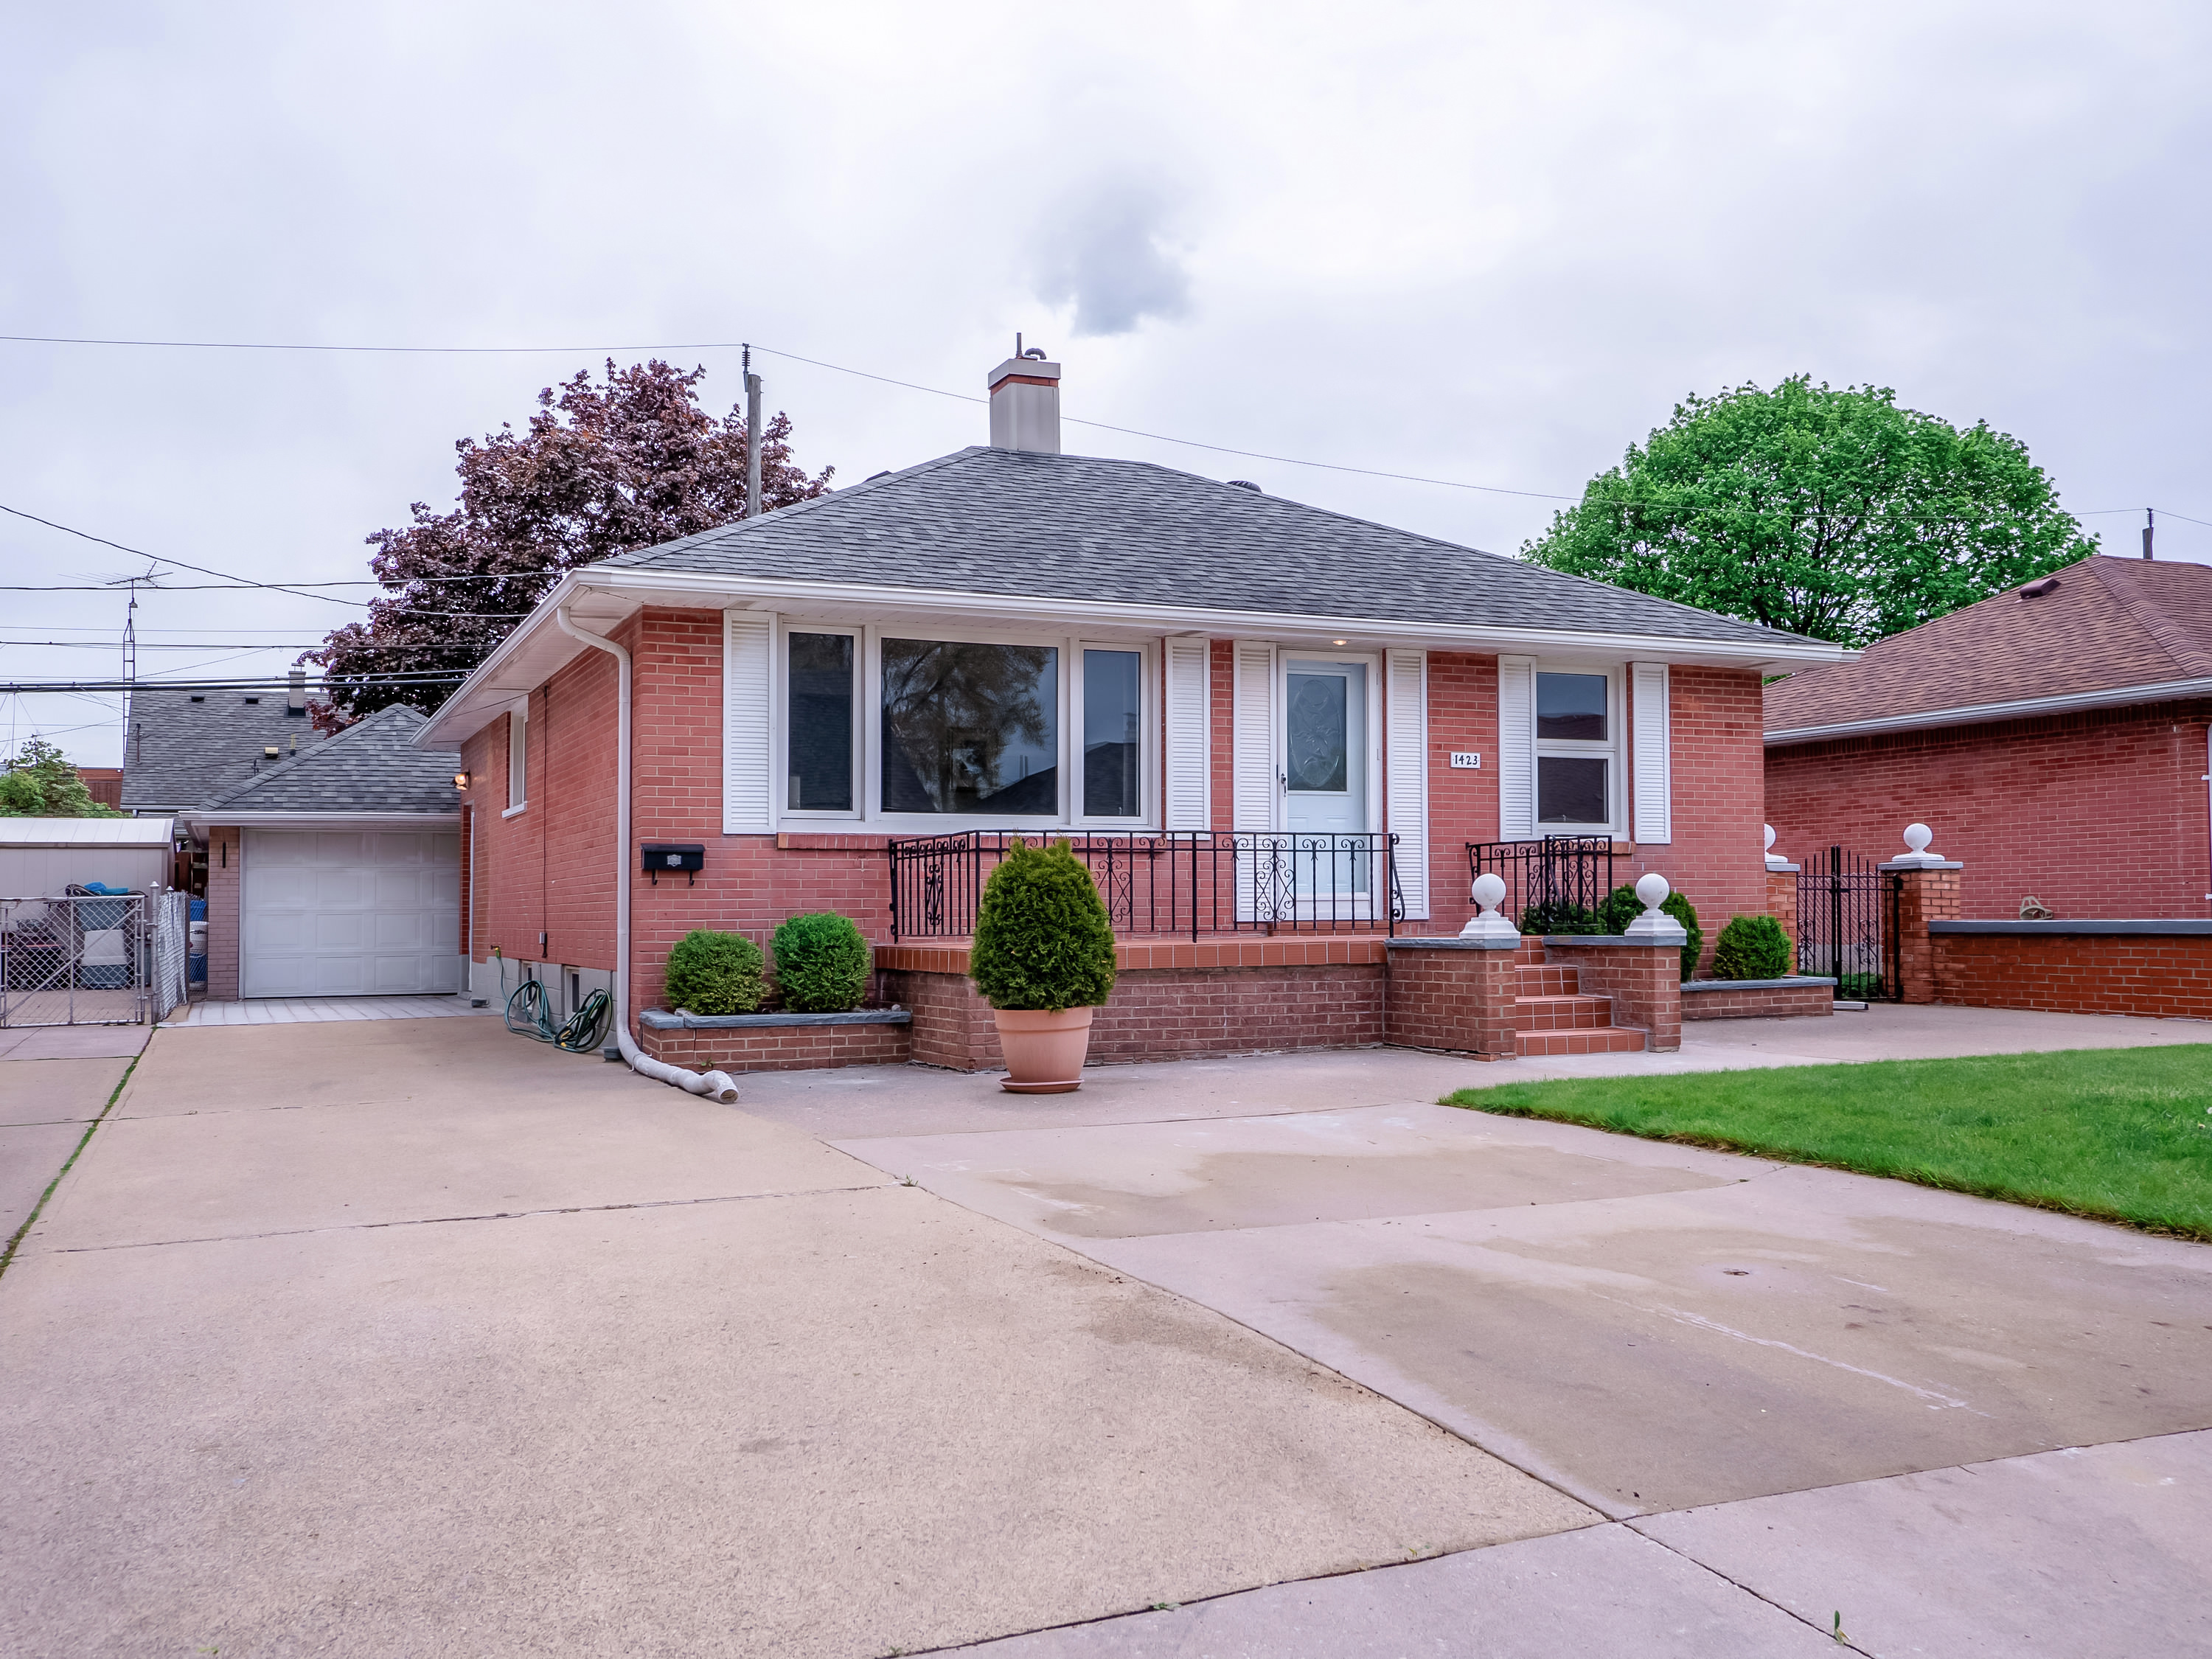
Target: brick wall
[1462,805]
[2101,814]
[2165,975]
[1644,980]
[225,853]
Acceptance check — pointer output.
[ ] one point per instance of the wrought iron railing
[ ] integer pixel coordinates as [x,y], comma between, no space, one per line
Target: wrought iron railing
[1166,883]
[1558,874]
[1847,924]
[82,958]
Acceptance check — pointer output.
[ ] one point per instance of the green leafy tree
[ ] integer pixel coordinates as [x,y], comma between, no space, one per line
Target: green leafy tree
[40,782]
[1832,513]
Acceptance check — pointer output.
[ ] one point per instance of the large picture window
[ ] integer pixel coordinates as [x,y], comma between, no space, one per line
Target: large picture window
[1575,750]
[970,728]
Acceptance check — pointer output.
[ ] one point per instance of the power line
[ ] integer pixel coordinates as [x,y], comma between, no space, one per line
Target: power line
[27,688]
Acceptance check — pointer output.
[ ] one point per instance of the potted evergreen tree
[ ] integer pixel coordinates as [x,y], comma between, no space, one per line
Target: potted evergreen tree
[1043,959]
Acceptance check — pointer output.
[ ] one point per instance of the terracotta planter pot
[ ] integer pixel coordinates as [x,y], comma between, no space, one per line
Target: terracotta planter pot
[1044,1051]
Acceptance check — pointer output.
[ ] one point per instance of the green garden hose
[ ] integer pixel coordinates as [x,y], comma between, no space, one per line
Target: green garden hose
[529,1014]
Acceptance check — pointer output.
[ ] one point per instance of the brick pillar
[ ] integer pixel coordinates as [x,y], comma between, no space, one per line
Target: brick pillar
[1782,904]
[1453,993]
[225,847]
[1927,892]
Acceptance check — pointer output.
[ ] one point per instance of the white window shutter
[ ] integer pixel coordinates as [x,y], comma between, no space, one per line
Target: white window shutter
[748,709]
[1516,748]
[1405,756]
[1189,735]
[1253,760]
[1653,753]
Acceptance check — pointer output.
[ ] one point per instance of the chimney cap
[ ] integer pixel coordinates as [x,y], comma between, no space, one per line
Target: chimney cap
[1025,368]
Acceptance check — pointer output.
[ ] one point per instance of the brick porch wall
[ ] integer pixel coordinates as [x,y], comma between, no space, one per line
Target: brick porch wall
[1814,996]
[1452,997]
[771,1048]
[1644,980]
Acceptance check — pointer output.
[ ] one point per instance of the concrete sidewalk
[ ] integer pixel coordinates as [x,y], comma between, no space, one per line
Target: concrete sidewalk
[415,1337]
[54,1082]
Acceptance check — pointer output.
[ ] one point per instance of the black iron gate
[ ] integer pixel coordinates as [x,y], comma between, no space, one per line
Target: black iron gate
[1847,926]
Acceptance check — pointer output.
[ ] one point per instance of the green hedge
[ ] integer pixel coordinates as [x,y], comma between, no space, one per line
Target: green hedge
[1042,938]
[1751,947]
[822,963]
[711,973]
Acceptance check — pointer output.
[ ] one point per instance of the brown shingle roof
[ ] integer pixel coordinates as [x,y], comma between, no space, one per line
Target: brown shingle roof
[2110,623]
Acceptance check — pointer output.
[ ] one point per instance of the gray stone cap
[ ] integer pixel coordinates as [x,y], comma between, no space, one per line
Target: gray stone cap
[660,1019]
[2178,925]
[1754,984]
[1453,942]
[1915,864]
[1674,941]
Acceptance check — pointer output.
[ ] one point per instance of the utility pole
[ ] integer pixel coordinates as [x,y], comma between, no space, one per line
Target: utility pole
[752,438]
[2150,526]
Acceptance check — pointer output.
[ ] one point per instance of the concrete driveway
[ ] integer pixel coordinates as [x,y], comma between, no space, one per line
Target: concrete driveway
[1790,1387]
[417,1338]
[55,1081]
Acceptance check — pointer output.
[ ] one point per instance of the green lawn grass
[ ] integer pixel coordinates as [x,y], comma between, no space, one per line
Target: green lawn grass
[2119,1134]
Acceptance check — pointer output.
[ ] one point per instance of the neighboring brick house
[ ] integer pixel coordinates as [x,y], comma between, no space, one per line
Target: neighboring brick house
[2056,739]
[1011,638]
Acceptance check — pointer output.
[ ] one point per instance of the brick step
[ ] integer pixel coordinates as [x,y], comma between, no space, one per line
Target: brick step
[1570,1012]
[1547,981]
[1531,953]
[1604,1040]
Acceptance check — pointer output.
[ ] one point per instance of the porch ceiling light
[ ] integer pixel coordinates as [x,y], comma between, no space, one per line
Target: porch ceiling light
[460,781]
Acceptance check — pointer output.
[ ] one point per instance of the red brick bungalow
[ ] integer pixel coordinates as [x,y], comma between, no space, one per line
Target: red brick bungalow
[2054,737]
[1009,638]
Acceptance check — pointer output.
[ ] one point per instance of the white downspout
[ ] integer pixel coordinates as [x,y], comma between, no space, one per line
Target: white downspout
[716,1086]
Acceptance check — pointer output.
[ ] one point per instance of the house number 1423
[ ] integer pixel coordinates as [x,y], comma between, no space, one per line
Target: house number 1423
[1466,760]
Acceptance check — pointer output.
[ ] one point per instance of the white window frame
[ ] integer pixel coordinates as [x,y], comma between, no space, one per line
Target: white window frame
[518,759]
[1148,746]
[868,809]
[779,720]
[1613,749]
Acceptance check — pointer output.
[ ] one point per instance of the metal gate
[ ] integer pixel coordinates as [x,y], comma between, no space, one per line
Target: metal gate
[103,959]
[1847,926]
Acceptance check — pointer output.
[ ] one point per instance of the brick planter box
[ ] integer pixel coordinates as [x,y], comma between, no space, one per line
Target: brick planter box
[2157,967]
[1758,998]
[777,1043]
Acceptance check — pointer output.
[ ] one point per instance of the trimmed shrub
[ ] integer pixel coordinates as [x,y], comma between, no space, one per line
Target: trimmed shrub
[1622,907]
[1042,939]
[713,973]
[822,963]
[1559,917]
[1751,947]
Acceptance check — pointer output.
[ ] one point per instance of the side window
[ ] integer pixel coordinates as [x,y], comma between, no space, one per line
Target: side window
[818,730]
[518,759]
[1575,744]
[1113,738]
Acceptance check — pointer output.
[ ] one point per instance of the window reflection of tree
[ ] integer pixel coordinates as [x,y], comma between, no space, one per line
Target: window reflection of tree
[951,713]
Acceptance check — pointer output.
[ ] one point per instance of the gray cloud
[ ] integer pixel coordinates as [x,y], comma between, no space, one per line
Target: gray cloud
[1105,250]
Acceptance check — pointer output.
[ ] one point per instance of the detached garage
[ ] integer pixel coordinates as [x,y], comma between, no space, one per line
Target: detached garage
[337,871]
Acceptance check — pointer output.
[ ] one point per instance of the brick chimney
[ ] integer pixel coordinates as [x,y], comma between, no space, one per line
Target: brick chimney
[295,704]
[1026,402]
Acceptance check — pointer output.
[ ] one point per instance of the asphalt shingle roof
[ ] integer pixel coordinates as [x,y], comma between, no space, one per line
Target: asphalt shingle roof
[179,752]
[2110,623]
[370,767]
[986,520]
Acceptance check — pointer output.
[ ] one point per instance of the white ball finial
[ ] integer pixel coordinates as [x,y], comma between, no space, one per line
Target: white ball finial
[1489,891]
[1652,889]
[1769,837]
[1495,932]
[1917,837]
[1655,926]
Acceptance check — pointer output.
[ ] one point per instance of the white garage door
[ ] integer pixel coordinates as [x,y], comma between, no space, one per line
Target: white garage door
[333,912]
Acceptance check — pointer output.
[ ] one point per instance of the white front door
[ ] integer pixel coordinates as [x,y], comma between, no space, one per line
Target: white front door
[350,913]
[1325,747]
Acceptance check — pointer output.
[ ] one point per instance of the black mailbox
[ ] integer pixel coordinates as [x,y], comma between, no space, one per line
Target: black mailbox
[670,856]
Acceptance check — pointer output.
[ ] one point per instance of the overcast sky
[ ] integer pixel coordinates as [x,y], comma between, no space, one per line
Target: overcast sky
[1486,243]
